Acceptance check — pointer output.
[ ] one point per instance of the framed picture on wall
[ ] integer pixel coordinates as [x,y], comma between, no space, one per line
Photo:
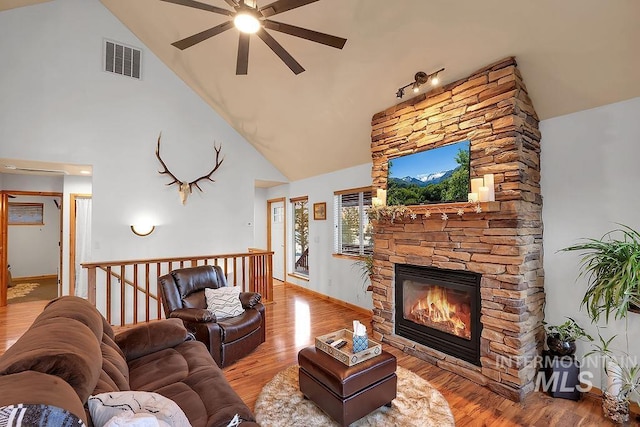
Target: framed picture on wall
[320,210]
[26,214]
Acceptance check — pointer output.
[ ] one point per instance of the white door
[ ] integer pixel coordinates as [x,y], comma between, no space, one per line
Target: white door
[277,219]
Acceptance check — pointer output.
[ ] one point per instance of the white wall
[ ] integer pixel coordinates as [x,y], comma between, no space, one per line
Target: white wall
[57,105]
[590,181]
[328,275]
[33,249]
[24,182]
[260,218]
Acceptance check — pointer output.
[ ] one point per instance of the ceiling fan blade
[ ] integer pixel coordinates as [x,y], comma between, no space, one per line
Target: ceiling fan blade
[279,50]
[282,6]
[243,54]
[304,33]
[202,36]
[202,6]
[232,3]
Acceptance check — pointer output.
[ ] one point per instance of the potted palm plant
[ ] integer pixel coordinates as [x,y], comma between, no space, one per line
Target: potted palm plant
[561,339]
[622,383]
[365,264]
[611,265]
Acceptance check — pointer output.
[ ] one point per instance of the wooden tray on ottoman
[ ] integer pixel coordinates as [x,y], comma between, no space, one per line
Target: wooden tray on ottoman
[346,354]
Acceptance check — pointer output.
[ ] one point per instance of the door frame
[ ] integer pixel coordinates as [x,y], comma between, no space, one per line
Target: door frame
[72,238]
[284,231]
[4,236]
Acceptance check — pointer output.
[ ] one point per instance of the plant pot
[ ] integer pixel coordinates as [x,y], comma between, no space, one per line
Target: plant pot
[559,347]
[615,409]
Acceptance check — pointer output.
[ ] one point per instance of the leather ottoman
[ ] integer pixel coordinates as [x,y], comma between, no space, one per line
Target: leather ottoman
[347,393]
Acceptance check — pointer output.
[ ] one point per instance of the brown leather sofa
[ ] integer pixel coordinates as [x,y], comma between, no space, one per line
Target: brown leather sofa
[70,352]
[228,340]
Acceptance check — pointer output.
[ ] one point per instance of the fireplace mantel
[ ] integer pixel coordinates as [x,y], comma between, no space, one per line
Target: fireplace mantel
[502,243]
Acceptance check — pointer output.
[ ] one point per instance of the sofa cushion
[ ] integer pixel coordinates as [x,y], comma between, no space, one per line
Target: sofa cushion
[192,404]
[206,379]
[59,346]
[156,370]
[105,406]
[79,309]
[122,360]
[105,384]
[114,365]
[148,338]
[31,387]
[224,302]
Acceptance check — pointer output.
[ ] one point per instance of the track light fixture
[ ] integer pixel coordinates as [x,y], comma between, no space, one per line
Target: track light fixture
[419,79]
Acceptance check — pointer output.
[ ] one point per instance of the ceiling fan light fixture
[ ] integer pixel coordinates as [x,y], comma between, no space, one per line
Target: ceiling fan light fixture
[247,22]
[248,18]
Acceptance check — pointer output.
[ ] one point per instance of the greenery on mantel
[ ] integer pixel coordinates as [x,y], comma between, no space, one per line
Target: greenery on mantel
[394,212]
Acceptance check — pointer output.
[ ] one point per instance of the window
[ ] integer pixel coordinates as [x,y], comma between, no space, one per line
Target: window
[353,233]
[278,214]
[300,235]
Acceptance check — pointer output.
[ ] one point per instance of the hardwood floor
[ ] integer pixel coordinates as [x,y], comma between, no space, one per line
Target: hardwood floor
[297,317]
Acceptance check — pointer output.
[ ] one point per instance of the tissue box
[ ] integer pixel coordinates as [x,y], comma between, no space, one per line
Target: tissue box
[346,354]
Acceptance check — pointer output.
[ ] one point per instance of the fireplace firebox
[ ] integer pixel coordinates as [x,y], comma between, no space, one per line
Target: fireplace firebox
[440,309]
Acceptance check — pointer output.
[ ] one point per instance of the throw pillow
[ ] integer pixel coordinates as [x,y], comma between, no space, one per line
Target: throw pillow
[224,302]
[21,414]
[103,407]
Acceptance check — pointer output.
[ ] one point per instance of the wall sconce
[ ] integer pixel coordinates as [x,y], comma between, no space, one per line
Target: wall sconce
[420,78]
[142,229]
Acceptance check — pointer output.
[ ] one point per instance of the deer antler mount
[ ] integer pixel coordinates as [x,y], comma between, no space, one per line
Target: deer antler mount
[185,188]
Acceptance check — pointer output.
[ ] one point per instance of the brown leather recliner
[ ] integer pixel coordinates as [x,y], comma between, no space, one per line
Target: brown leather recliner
[228,340]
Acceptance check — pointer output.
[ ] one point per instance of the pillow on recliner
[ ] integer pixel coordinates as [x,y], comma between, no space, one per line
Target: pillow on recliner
[224,302]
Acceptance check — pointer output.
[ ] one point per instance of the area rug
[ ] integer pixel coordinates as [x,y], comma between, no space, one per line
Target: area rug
[45,289]
[281,403]
[20,290]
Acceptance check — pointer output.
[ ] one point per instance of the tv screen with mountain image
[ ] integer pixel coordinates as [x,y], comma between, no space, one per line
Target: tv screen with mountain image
[438,175]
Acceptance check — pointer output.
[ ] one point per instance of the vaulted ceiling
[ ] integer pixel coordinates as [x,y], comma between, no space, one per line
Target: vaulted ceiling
[573,54]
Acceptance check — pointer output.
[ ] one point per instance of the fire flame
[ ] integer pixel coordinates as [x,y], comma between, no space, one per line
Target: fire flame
[435,308]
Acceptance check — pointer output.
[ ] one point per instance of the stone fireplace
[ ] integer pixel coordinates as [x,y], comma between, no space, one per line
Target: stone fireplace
[493,333]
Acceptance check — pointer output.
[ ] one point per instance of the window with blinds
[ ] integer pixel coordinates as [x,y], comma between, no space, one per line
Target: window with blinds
[353,232]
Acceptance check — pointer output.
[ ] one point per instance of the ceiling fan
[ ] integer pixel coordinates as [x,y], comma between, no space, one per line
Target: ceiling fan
[249,19]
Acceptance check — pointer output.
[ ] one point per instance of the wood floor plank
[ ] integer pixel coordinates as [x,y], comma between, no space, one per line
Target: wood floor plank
[297,317]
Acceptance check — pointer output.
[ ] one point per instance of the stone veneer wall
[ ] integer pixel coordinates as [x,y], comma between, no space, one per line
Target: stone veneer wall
[491,108]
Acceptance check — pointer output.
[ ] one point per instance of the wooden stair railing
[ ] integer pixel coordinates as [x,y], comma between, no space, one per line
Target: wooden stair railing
[303,261]
[134,295]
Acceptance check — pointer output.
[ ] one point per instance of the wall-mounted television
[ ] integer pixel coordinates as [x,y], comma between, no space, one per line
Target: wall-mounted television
[438,175]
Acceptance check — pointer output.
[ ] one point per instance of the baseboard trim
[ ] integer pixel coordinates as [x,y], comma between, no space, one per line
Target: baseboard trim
[35,278]
[353,307]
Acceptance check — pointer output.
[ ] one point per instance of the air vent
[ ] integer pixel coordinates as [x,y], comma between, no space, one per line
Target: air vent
[36,170]
[121,59]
